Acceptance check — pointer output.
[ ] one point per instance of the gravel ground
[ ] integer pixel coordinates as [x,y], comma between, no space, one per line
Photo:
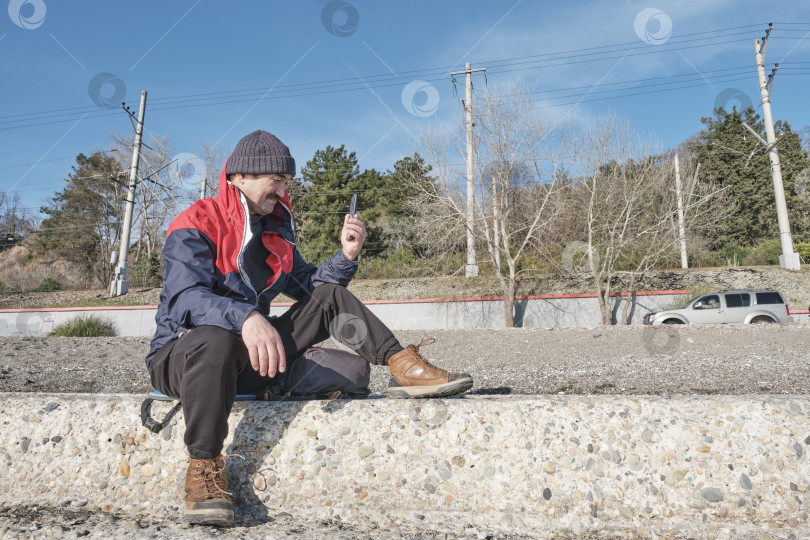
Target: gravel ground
[750,359]
[40,522]
[48,522]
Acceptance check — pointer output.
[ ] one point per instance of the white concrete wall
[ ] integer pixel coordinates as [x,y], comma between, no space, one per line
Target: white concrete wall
[531,313]
[126,322]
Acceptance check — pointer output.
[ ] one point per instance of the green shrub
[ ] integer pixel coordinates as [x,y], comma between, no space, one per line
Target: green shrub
[803,249]
[4,288]
[402,264]
[766,253]
[535,264]
[146,271]
[84,326]
[47,285]
[407,264]
[733,255]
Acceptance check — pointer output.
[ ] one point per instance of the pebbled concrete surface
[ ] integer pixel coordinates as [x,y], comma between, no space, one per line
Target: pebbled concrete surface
[719,467]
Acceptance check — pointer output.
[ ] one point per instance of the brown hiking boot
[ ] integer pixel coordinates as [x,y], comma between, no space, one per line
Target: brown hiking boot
[412,376]
[207,499]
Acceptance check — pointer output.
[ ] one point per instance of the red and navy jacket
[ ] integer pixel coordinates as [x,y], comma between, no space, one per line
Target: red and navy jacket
[204,281]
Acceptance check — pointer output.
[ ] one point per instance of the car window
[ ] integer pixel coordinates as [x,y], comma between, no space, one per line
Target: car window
[711,301]
[738,300]
[769,298]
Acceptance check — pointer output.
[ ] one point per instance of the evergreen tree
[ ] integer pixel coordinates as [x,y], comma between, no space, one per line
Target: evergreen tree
[83,219]
[327,182]
[404,184]
[734,159]
[322,195]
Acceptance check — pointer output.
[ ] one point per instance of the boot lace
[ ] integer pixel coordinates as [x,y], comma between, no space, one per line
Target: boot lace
[209,474]
[425,341]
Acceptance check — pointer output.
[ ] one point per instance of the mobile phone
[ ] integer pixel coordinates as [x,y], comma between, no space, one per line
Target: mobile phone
[353,210]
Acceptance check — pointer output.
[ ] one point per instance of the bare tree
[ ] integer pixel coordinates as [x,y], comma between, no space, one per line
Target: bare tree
[805,135]
[14,220]
[523,158]
[626,195]
[439,207]
[519,159]
[214,161]
[160,195]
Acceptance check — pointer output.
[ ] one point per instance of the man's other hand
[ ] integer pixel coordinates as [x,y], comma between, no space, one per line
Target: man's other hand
[352,236]
[264,345]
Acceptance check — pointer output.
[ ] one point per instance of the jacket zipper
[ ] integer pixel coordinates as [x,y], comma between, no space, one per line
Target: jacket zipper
[239,257]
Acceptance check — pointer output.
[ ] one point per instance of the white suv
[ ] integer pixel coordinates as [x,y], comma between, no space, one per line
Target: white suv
[737,306]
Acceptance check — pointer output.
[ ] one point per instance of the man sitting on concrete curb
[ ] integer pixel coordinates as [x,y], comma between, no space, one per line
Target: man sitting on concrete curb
[225,259]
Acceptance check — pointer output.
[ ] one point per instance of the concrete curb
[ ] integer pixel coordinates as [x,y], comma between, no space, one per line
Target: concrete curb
[719,466]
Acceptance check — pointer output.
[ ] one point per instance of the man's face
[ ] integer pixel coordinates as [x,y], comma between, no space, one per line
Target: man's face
[261,191]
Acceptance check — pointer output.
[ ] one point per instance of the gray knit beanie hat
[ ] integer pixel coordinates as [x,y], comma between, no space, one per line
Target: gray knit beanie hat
[260,153]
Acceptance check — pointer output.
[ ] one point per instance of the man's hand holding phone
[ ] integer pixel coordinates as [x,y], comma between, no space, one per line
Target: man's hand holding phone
[354,232]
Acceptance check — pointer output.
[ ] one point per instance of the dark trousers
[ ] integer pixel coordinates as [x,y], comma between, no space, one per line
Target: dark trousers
[208,366]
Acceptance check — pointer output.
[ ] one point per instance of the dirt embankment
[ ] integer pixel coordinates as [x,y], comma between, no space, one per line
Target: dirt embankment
[795,286]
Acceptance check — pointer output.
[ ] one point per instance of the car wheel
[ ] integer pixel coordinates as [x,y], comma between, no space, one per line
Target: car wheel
[762,320]
[673,321]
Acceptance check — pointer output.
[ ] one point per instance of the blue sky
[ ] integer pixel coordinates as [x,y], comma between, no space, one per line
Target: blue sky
[324,72]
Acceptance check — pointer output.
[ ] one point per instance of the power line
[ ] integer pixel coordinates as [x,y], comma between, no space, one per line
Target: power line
[303,87]
[75,227]
[36,162]
[703,76]
[630,95]
[320,92]
[657,50]
[640,93]
[718,80]
[388,75]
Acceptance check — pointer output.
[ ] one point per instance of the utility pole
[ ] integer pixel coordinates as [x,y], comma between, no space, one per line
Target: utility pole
[119,283]
[681,228]
[788,259]
[472,263]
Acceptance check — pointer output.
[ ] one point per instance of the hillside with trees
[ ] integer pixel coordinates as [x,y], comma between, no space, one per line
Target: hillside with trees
[594,200]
